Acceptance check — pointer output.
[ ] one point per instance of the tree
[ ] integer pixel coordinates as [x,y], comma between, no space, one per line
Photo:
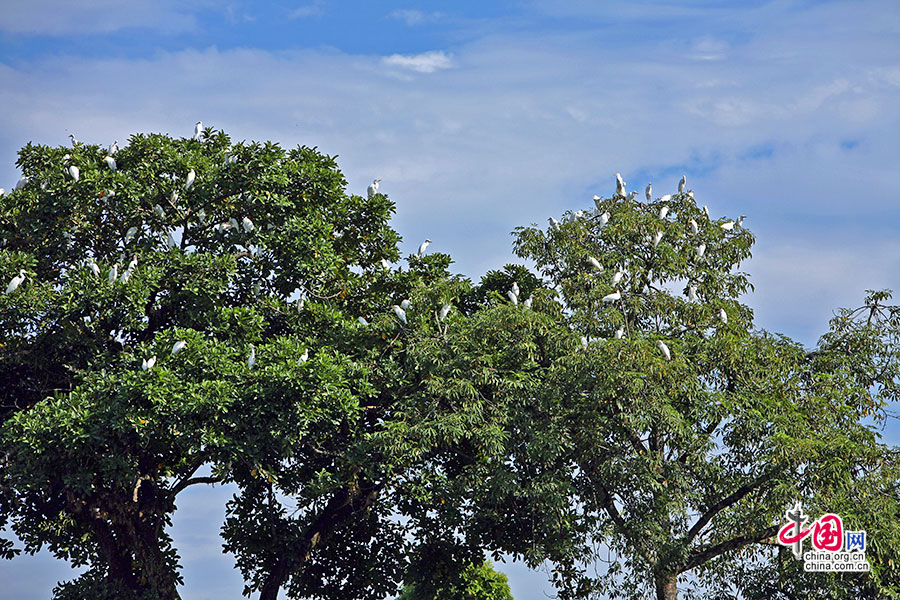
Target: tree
[475,582]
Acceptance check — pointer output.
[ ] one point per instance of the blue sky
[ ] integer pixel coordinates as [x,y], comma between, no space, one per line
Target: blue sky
[479,117]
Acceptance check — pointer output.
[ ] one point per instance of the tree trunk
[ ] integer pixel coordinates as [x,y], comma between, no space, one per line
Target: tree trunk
[667,587]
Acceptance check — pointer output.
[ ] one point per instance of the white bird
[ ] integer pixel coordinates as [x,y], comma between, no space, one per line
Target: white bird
[21,183]
[701,250]
[191,176]
[173,197]
[727,226]
[148,363]
[656,237]
[247,224]
[198,129]
[113,274]
[72,137]
[178,347]
[385,264]
[604,219]
[617,295]
[692,293]
[584,342]
[664,349]
[15,282]
[303,357]
[74,172]
[632,195]
[300,304]
[597,201]
[362,321]
[373,188]
[620,186]
[682,183]
[422,248]
[110,162]
[666,198]
[512,297]
[159,211]
[515,288]
[232,223]
[577,214]
[694,227]
[2,191]
[251,360]
[620,333]
[132,265]
[113,148]
[554,223]
[401,314]
[595,263]
[94,268]
[723,316]
[663,212]
[617,277]
[740,222]
[649,191]
[129,235]
[125,277]
[528,301]
[445,310]
[405,304]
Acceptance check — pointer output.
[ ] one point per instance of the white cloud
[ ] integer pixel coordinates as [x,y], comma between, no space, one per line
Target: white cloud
[414,17]
[309,10]
[427,62]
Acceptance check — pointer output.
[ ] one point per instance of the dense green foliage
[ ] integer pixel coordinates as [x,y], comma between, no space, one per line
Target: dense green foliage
[477,582]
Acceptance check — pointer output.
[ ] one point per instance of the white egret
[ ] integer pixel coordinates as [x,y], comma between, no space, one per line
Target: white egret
[604,219]
[173,197]
[110,162]
[727,226]
[15,282]
[597,201]
[723,316]
[129,235]
[362,321]
[191,176]
[515,288]
[620,186]
[385,264]
[422,247]
[125,277]
[617,295]
[554,223]
[620,333]
[663,212]
[595,263]
[632,195]
[649,191]
[692,293]
[617,277]
[405,304]
[300,304]
[401,314]
[664,349]
[94,268]
[596,198]
[528,301]
[740,222]
[232,223]
[178,347]
[2,191]
[694,227]
[21,183]
[74,172]
[113,274]
[577,214]
[584,342]
[445,310]
[682,183]
[132,265]
[303,357]
[198,129]
[72,137]
[373,188]
[113,148]
[148,363]
[666,198]
[656,237]
[247,224]
[512,297]
[66,157]
[159,211]
[701,250]
[251,360]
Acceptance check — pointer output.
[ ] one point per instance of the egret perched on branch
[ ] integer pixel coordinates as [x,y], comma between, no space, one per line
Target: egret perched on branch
[94,268]
[373,188]
[666,198]
[422,248]
[129,235]
[692,293]
[554,223]
[631,195]
[656,237]
[617,295]
[682,183]
[528,301]
[15,282]
[173,197]
[362,321]
[740,222]
[198,129]
[191,176]
[110,162]
[74,141]
[148,363]
[178,347]
[385,264]
[723,316]
[401,314]
[664,349]
[2,191]
[74,172]
[620,333]
[232,223]
[618,277]
[303,357]
[727,226]
[405,304]
[113,148]
[251,360]
[620,186]
[247,224]
[663,212]
[604,219]
[597,201]
[445,310]
[694,227]
[595,263]
[159,211]
[701,250]
[584,342]
[512,297]
[515,288]
[649,191]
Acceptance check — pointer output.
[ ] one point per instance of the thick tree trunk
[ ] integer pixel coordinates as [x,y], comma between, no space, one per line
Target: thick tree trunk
[667,588]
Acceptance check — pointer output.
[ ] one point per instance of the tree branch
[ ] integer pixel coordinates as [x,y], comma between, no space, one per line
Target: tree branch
[706,553]
[725,502]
